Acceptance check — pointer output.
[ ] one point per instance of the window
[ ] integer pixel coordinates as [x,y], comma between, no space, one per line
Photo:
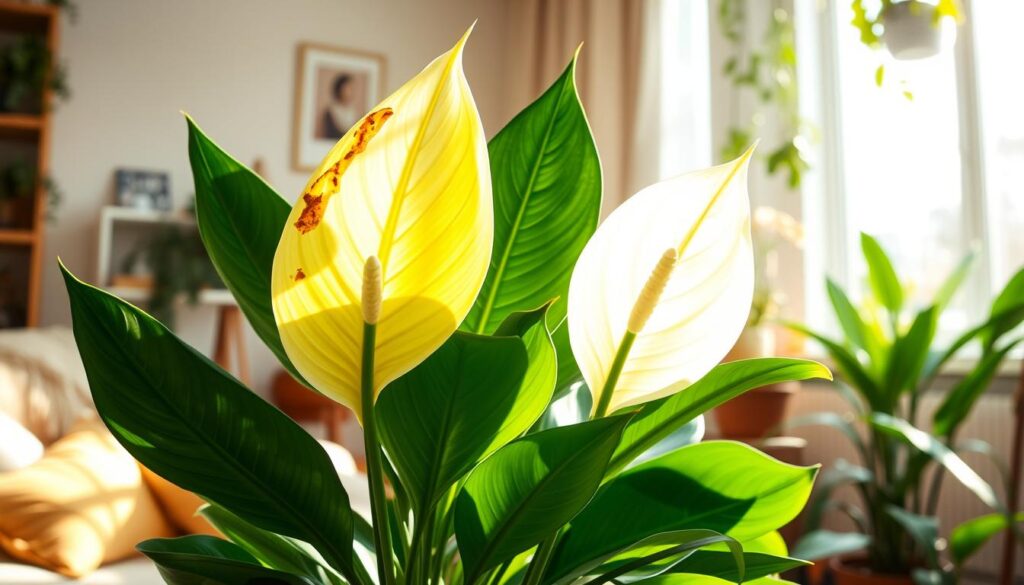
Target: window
[931,163]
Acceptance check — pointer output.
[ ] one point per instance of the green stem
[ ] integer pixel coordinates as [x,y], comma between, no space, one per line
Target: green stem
[374,465]
[613,374]
[540,561]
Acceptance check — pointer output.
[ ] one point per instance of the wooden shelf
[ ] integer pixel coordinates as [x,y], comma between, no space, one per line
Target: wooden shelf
[17,237]
[20,126]
[22,17]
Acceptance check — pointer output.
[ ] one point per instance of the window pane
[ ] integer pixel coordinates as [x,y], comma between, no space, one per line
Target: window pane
[997,27]
[901,161]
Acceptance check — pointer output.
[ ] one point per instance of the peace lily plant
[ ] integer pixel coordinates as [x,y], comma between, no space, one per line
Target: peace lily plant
[450,291]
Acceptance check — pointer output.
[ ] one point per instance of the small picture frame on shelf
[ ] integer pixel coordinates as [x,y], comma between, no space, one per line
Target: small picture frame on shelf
[143,190]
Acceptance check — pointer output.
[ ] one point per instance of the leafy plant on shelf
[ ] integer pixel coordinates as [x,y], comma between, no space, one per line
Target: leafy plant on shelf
[888,358]
[26,68]
[448,291]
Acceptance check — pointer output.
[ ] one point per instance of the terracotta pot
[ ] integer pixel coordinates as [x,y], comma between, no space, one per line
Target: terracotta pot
[910,31]
[854,571]
[752,415]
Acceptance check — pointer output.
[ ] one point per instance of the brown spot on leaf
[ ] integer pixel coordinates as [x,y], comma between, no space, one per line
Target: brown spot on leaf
[327,184]
[299,275]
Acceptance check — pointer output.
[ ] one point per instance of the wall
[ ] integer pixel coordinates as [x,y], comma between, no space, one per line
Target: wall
[134,64]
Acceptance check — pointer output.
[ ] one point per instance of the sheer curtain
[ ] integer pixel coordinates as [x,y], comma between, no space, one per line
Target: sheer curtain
[642,76]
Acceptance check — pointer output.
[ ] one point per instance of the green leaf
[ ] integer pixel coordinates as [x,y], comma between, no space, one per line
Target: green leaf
[1004,319]
[653,562]
[952,283]
[272,550]
[461,404]
[723,486]
[1008,299]
[240,219]
[842,423]
[967,538]
[206,560]
[721,565]
[959,401]
[924,530]
[909,353]
[542,368]
[660,418]
[846,314]
[849,366]
[529,489]
[822,544]
[884,283]
[568,370]
[546,179]
[187,420]
[942,455]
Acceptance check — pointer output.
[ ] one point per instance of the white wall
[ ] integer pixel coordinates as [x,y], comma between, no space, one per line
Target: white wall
[134,64]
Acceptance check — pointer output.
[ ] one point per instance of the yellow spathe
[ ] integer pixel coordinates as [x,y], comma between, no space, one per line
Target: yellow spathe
[410,184]
[705,217]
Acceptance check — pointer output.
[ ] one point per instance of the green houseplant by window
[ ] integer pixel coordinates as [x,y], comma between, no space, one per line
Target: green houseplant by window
[887,359]
[441,286]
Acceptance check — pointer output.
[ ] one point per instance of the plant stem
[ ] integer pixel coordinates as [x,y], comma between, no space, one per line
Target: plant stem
[374,465]
[540,561]
[613,374]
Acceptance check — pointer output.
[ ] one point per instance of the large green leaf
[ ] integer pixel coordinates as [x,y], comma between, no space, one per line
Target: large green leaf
[568,370]
[206,560]
[846,314]
[240,219]
[849,366]
[940,453]
[967,538]
[529,489]
[272,550]
[187,420]
[723,486]
[884,283]
[923,530]
[655,559]
[658,419]
[959,401]
[546,178]
[722,565]
[542,369]
[908,355]
[458,406]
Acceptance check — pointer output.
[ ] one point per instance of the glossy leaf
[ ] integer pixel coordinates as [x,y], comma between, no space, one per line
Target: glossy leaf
[410,185]
[190,422]
[240,219]
[1011,297]
[722,486]
[204,560]
[542,369]
[960,400]
[822,544]
[924,530]
[272,550]
[454,409]
[881,275]
[657,420]
[530,488]
[846,314]
[849,367]
[568,370]
[657,561]
[942,455]
[967,538]
[546,179]
[705,217]
[722,565]
[909,352]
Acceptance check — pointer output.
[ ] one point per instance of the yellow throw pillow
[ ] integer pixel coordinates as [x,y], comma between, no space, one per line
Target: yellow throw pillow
[83,504]
[179,505]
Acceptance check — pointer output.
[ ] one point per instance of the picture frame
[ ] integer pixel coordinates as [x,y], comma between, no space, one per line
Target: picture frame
[145,190]
[334,88]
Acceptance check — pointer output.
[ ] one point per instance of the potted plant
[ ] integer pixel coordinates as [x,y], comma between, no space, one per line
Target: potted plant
[909,29]
[888,358]
[448,353]
[17,190]
[25,69]
[755,413]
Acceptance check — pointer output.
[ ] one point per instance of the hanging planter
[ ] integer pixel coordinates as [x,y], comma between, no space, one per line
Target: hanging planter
[911,30]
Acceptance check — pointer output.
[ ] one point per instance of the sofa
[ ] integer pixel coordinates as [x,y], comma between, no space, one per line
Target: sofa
[43,389]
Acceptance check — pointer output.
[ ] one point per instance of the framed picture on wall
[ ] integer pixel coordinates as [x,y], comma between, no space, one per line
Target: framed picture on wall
[334,88]
[143,189]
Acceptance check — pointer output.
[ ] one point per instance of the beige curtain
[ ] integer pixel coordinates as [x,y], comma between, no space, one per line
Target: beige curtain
[613,75]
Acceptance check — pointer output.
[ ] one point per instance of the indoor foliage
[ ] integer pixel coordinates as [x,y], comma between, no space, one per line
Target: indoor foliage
[441,287]
[889,359]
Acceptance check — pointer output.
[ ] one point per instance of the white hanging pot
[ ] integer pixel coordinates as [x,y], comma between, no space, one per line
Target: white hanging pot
[910,30]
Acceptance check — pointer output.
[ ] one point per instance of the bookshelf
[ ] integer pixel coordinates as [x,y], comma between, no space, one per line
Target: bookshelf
[27,134]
